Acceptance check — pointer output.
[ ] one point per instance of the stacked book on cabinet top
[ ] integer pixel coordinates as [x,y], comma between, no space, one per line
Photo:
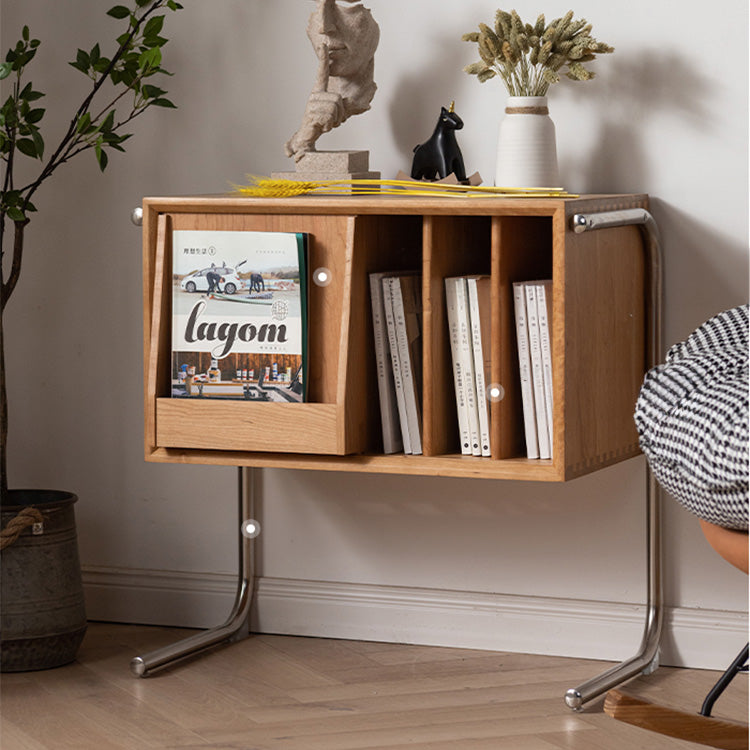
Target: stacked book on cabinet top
[397,325]
[533,311]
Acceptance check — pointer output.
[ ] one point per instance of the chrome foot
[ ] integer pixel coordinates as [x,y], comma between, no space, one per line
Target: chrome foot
[574,700]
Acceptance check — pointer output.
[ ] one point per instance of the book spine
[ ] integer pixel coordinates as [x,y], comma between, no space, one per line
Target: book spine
[395,363]
[484,292]
[467,365]
[524,367]
[479,356]
[537,376]
[458,373]
[544,308]
[304,279]
[401,288]
[392,440]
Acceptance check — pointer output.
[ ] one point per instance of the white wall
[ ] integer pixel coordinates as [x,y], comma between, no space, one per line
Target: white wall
[431,560]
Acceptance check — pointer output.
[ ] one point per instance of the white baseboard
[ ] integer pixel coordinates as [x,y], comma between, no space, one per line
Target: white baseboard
[157,597]
[697,638]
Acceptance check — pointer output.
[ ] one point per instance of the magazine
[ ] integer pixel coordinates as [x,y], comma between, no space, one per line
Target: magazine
[239,315]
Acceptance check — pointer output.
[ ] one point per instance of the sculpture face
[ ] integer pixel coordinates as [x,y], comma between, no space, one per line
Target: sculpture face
[344,36]
[349,32]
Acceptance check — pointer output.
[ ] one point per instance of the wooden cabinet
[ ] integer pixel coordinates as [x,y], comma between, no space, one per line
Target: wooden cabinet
[598,336]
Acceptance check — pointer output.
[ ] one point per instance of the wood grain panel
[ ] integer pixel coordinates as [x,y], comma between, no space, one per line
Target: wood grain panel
[604,341]
[672,722]
[236,425]
[157,321]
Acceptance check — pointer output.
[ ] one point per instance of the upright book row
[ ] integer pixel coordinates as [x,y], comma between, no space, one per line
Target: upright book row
[397,326]
[533,309]
[396,308]
[470,324]
[467,302]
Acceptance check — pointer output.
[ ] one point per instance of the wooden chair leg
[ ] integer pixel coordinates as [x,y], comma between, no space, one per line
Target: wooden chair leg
[704,730]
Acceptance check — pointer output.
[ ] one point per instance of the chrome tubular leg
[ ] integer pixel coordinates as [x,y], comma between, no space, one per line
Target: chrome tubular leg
[236,626]
[648,649]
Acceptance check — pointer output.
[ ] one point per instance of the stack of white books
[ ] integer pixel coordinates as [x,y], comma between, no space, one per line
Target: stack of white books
[467,300]
[397,326]
[533,309]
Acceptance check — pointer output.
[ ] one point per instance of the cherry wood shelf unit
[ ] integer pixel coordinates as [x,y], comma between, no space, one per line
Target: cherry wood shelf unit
[598,333]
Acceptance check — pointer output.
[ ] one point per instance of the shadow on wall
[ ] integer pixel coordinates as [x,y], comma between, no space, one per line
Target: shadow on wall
[213,138]
[703,265]
[413,124]
[637,90]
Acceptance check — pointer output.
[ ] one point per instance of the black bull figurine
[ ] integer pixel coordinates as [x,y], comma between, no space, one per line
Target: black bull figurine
[440,155]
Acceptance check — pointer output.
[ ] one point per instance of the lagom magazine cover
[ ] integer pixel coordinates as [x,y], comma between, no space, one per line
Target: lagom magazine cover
[239,315]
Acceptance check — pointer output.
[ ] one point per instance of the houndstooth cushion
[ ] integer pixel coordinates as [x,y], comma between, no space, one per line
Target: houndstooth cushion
[692,419]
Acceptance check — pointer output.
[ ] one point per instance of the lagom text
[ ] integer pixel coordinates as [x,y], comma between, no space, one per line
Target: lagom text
[228,333]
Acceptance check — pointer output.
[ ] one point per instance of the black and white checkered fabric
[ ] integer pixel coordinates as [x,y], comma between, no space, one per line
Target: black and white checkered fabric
[692,420]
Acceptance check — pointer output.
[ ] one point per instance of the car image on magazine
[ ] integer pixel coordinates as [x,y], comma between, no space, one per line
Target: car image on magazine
[229,284]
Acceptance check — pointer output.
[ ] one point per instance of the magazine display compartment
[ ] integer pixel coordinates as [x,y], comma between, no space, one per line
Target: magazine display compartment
[598,336]
[328,418]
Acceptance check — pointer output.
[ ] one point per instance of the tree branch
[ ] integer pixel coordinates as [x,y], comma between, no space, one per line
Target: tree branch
[15,269]
[54,162]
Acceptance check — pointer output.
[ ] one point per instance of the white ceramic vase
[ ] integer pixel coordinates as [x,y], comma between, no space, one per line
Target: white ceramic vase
[526,148]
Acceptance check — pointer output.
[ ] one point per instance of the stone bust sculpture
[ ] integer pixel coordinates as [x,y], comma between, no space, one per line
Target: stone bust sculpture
[344,36]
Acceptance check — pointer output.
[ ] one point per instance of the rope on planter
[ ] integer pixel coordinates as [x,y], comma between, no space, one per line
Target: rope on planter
[22,520]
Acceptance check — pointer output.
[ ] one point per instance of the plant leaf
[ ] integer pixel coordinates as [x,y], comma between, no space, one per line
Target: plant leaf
[150,58]
[83,122]
[109,120]
[119,11]
[27,146]
[101,157]
[35,115]
[153,26]
[83,60]
[101,64]
[29,95]
[38,141]
[152,92]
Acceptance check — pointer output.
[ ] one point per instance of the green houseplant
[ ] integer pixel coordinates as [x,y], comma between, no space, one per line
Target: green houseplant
[528,59]
[122,89]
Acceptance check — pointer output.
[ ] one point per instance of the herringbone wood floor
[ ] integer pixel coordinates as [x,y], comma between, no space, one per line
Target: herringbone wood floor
[285,693]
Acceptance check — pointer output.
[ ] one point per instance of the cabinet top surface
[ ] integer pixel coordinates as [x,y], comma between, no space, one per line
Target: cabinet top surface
[375,204]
